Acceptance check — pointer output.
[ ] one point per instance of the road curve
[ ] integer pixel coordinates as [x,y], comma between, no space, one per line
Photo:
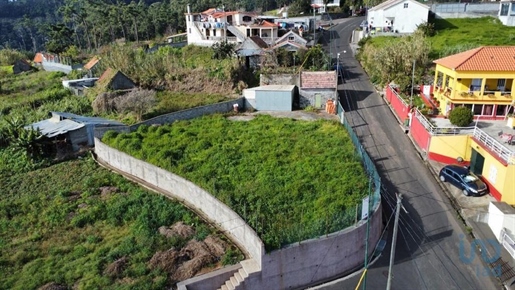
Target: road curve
[428,252]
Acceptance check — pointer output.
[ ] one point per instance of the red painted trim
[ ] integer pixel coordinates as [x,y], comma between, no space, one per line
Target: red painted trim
[493,191]
[494,155]
[445,159]
[419,134]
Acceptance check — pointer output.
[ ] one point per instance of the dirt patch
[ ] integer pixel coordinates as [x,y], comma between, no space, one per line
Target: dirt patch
[179,229]
[191,260]
[53,286]
[106,191]
[115,269]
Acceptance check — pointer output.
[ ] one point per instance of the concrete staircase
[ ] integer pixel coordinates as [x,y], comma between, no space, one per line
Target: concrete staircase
[248,267]
[236,32]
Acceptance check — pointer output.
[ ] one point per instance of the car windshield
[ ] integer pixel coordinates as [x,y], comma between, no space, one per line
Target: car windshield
[469,178]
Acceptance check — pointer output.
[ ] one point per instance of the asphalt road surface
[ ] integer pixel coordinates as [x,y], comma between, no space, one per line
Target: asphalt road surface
[428,252]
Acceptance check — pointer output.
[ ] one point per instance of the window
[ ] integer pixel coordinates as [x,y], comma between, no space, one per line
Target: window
[189,30]
[247,19]
[476,85]
[500,110]
[488,110]
[405,5]
[478,109]
[501,84]
[504,9]
[512,9]
[291,38]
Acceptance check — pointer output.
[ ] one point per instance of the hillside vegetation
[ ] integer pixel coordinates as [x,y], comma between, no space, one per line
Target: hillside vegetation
[390,58]
[75,224]
[290,180]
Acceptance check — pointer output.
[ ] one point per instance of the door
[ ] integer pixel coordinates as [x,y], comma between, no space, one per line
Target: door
[318,101]
[476,162]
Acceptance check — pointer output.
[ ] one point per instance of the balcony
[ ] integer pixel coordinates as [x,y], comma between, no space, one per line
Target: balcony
[473,96]
[495,145]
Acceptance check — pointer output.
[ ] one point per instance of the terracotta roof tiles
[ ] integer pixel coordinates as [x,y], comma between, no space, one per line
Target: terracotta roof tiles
[484,58]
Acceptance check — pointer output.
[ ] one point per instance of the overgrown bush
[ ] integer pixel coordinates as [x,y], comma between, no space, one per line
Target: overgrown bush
[461,116]
[10,56]
[138,101]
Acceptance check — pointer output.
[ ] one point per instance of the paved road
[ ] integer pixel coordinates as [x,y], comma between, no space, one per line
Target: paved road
[428,253]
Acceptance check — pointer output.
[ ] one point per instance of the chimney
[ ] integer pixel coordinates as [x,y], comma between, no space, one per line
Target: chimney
[189,9]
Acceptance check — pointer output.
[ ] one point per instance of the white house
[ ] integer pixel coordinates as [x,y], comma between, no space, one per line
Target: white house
[401,16]
[215,25]
[507,12]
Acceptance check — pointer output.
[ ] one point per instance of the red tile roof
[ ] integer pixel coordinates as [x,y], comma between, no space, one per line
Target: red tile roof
[484,58]
[38,58]
[91,63]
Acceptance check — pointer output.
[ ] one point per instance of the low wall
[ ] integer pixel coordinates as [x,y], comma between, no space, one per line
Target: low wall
[206,281]
[399,106]
[54,66]
[318,260]
[279,79]
[420,134]
[222,107]
[446,149]
[187,192]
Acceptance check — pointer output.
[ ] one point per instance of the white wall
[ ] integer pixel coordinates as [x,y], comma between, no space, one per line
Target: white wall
[499,219]
[405,20]
[187,192]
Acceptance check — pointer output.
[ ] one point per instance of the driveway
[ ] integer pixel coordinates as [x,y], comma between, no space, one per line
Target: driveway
[428,254]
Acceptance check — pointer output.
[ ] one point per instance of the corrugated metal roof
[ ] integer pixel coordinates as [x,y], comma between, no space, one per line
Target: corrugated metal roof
[50,128]
[61,123]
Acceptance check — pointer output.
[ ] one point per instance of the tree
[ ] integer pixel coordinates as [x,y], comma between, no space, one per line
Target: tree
[60,37]
[137,101]
[461,116]
[223,50]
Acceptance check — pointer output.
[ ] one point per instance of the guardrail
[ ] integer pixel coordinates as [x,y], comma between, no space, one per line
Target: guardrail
[495,146]
[435,131]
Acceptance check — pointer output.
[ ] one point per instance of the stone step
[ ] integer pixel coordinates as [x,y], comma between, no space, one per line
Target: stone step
[234,281]
[238,277]
[229,285]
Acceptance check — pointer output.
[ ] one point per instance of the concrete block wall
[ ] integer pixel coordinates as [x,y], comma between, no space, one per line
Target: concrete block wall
[222,107]
[318,260]
[187,192]
[279,79]
[299,265]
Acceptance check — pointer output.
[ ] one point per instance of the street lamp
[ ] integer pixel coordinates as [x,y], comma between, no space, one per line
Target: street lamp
[412,84]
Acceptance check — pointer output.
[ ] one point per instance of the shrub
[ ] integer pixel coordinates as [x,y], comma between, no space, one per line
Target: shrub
[461,116]
[137,101]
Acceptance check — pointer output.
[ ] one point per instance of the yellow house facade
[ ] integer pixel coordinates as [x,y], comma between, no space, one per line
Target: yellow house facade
[482,79]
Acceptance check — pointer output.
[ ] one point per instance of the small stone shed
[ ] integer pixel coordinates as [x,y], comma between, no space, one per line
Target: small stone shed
[78,130]
[21,66]
[270,98]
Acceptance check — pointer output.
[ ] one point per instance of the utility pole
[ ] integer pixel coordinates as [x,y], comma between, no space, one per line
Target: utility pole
[394,240]
[314,26]
[368,233]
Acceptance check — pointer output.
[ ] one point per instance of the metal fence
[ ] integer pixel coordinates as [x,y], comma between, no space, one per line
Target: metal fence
[370,168]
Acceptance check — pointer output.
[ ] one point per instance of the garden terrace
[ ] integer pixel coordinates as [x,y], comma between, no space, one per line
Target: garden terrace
[290,180]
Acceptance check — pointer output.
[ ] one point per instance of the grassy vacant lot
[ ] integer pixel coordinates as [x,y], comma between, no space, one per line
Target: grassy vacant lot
[457,35]
[79,225]
[290,180]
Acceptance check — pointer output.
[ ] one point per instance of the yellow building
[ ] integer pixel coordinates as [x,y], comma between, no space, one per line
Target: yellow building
[481,79]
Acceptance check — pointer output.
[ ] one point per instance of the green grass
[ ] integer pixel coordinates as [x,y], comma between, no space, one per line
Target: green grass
[55,226]
[30,89]
[460,34]
[7,69]
[455,35]
[290,180]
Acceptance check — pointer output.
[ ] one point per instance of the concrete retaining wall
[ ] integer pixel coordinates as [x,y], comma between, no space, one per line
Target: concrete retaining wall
[316,261]
[222,107]
[279,79]
[187,192]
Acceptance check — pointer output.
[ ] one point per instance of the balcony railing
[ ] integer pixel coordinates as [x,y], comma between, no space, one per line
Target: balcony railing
[222,38]
[435,131]
[495,146]
[474,95]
